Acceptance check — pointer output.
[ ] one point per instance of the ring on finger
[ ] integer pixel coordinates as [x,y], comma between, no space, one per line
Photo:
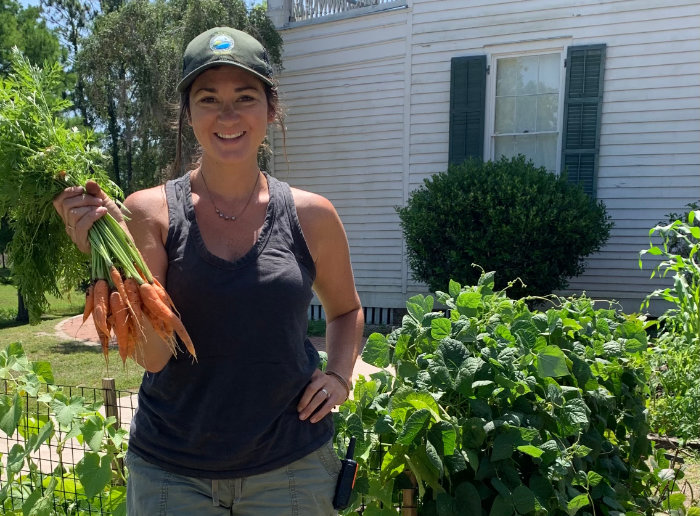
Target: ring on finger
[328,394]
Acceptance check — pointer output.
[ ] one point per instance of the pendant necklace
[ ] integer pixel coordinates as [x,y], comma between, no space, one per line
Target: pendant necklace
[220,213]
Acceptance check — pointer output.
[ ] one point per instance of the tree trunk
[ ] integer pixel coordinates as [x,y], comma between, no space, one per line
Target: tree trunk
[22,312]
[113,129]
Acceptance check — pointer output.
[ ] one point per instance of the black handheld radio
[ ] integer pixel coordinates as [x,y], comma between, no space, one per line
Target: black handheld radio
[346,478]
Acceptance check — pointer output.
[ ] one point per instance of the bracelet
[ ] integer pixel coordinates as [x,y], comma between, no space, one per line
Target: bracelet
[342,381]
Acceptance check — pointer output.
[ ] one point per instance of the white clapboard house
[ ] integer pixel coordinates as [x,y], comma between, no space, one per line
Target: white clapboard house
[381,94]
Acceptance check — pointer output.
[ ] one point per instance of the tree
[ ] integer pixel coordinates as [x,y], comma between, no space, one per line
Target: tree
[23,28]
[131,63]
[73,18]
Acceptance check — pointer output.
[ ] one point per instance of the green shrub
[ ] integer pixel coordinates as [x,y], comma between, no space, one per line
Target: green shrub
[506,215]
[497,409]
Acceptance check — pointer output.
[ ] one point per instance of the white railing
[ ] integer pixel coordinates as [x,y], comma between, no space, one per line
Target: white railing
[313,9]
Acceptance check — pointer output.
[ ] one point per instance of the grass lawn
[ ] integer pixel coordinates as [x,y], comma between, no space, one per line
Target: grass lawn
[72,362]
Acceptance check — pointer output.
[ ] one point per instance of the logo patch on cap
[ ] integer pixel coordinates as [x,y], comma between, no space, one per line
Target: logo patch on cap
[221,44]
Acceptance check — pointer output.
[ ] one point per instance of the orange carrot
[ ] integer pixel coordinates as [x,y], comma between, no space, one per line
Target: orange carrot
[162,329]
[100,309]
[163,294]
[119,285]
[104,341]
[121,323]
[89,300]
[131,287]
[161,311]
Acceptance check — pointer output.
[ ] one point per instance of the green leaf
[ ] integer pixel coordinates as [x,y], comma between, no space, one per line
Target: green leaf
[43,370]
[468,303]
[418,306]
[693,511]
[532,451]
[523,499]
[15,459]
[473,433]
[66,412]
[454,354]
[573,417]
[468,499]
[594,478]
[440,328]
[503,446]
[393,462]
[45,433]
[93,431]
[377,351]
[576,503]
[551,362]
[381,491]
[444,437]
[406,398]
[502,506]
[454,289]
[445,505]
[94,472]
[675,501]
[413,426]
[42,505]
[10,413]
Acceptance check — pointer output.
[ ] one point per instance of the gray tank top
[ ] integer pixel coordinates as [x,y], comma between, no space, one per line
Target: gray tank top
[233,412]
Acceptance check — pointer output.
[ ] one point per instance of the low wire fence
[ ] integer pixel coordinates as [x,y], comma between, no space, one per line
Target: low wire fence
[59,454]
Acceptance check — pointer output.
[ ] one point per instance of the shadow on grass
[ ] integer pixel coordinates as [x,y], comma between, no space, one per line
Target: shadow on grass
[74,346]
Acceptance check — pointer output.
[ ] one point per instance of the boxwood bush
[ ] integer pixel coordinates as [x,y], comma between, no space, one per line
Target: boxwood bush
[498,410]
[505,215]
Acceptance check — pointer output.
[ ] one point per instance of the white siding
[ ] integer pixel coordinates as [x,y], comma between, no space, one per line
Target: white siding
[369,102]
[343,84]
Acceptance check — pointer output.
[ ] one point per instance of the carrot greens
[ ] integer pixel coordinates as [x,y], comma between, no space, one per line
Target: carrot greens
[40,155]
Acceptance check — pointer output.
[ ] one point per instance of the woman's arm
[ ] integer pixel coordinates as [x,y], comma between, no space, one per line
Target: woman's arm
[335,288]
[80,207]
[148,225]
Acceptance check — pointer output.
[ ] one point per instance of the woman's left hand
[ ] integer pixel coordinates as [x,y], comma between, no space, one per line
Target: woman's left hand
[321,396]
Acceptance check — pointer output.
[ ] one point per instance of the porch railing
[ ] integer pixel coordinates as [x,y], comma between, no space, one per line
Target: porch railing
[314,9]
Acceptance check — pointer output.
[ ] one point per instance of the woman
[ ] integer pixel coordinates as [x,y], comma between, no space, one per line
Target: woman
[245,429]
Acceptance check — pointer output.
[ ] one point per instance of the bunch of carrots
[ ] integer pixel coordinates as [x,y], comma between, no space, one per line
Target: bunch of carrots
[37,147]
[124,292]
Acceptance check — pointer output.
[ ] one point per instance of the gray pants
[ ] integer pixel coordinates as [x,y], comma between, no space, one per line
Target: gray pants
[303,488]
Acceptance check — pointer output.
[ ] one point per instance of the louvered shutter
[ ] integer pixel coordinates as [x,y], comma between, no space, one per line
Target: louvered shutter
[583,100]
[467,97]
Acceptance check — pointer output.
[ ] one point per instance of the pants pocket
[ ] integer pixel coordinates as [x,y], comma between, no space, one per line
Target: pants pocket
[329,459]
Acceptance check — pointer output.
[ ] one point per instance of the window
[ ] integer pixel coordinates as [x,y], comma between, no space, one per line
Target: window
[537,104]
[526,108]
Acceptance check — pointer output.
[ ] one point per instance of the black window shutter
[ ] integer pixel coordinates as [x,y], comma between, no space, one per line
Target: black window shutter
[467,108]
[583,100]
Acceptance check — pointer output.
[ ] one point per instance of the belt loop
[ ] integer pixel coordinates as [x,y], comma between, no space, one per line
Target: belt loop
[215,492]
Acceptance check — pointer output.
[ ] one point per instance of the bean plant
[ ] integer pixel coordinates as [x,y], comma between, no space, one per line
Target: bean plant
[96,484]
[490,407]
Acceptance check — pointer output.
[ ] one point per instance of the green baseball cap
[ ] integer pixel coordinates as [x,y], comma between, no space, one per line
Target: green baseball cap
[224,46]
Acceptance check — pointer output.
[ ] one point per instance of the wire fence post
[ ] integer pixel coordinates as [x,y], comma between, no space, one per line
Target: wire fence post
[408,500]
[109,394]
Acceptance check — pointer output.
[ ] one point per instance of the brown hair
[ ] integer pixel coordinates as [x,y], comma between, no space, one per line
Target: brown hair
[183,113]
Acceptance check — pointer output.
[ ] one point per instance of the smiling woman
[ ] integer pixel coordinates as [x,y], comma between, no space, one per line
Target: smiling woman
[235,247]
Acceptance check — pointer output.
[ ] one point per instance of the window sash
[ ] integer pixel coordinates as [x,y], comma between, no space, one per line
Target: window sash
[547,123]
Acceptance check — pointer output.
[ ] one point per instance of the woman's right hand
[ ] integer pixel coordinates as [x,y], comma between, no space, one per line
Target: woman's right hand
[80,207]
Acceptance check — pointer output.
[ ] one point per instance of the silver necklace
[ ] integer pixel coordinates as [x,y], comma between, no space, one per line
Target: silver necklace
[220,213]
